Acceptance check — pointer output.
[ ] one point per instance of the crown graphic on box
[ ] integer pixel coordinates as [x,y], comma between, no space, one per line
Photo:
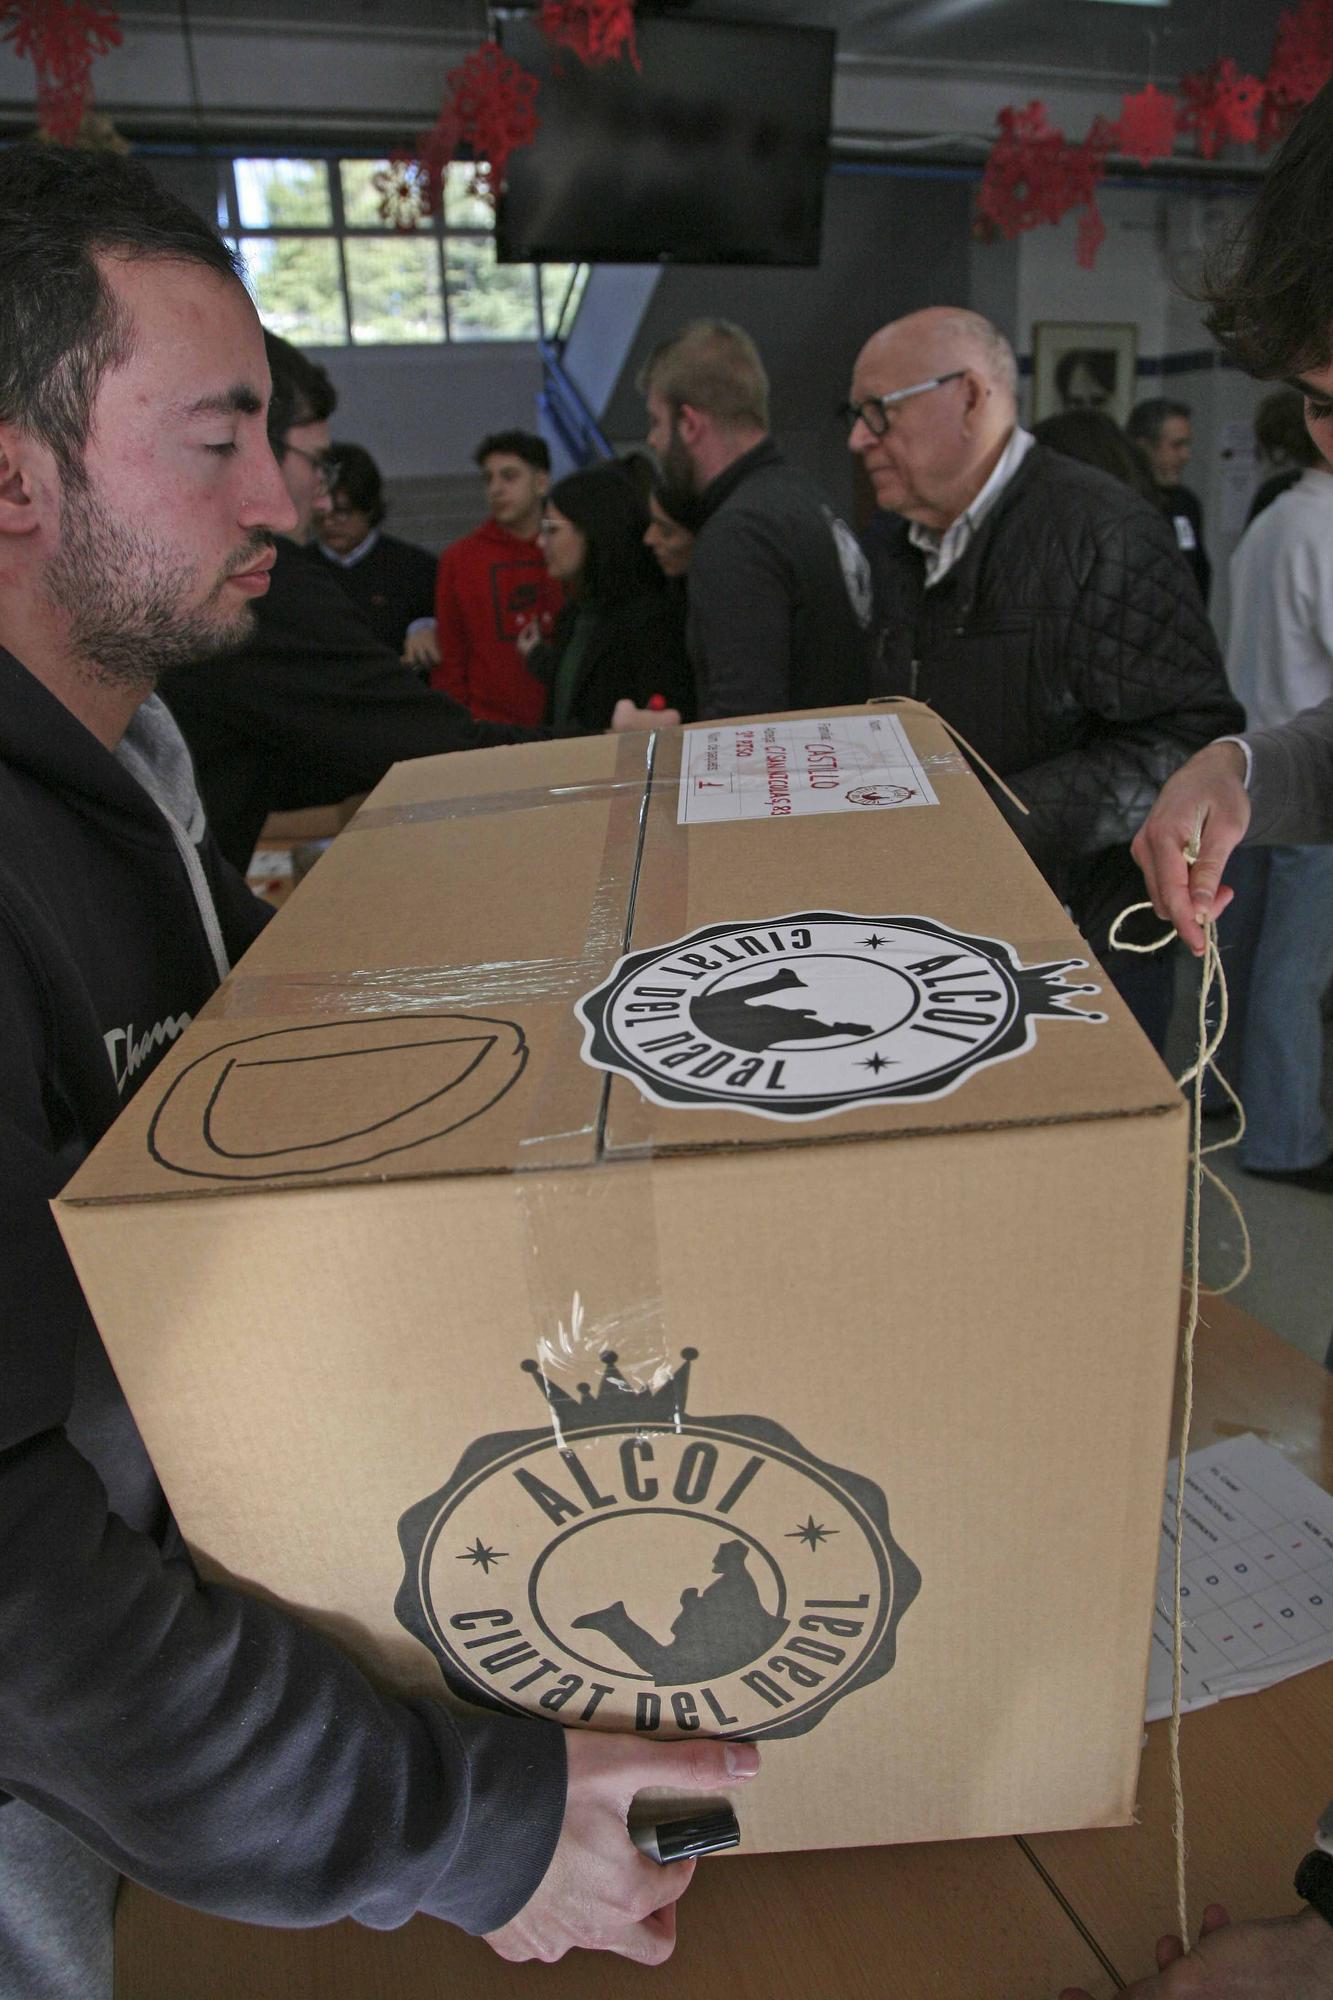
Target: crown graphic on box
[617,1400]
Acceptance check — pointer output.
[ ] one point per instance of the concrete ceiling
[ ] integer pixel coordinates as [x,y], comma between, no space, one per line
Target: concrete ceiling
[1051,37]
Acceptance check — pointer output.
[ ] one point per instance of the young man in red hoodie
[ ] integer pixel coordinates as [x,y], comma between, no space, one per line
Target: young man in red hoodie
[494,582]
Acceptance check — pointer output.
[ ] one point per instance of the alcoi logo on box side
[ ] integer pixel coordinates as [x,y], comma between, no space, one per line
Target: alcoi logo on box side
[803,1015]
[635,1567]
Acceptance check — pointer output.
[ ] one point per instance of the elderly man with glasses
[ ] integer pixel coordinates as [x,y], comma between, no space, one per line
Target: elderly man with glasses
[1040,606]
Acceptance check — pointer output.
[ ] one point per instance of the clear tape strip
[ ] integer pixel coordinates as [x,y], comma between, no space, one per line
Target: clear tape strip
[594,1273]
[405,989]
[336,993]
[487,805]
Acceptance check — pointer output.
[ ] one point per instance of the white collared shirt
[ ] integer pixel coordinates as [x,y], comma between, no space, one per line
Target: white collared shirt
[353,556]
[943,547]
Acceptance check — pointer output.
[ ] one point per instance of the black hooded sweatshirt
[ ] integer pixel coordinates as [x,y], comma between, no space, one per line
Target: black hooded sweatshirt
[203,1741]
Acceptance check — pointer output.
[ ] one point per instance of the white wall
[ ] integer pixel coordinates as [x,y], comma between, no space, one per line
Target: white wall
[1149,263]
[422,410]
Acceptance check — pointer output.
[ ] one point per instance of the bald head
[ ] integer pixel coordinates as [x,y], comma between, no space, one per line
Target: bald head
[939,445]
[946,337]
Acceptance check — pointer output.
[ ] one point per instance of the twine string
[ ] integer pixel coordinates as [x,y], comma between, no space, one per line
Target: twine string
[1207,1043]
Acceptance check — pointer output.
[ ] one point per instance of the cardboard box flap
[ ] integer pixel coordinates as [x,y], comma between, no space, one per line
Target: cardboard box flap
[931,980]
[411,1010]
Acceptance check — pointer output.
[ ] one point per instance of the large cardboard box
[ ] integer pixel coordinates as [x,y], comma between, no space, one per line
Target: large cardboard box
[680,1247]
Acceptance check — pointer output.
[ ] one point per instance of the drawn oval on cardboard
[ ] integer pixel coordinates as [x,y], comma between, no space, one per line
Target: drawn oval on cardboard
[819,1011]
[316,1100]
[630,1566]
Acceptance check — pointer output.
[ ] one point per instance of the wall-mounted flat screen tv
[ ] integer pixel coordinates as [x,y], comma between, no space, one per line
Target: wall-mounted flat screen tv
[714,151]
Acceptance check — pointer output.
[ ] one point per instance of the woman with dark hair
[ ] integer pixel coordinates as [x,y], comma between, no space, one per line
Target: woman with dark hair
[621,634]
[674,519]
[1097,439]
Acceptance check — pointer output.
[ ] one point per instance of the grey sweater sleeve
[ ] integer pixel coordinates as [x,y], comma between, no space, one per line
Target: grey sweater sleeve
[1291,780]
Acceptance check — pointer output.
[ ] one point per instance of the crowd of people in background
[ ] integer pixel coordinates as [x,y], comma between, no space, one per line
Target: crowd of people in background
[163,526]
[706,576]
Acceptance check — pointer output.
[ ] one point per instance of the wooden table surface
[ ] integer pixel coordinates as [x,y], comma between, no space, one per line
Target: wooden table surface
[974,1920]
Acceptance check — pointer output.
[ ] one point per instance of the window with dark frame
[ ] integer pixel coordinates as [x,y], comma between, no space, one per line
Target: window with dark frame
[327,271]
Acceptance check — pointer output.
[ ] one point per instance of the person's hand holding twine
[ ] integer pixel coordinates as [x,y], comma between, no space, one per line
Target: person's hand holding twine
[1187,839]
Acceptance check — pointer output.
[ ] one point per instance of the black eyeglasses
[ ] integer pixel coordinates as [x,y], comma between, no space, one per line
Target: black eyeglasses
[323,464]
[874,413]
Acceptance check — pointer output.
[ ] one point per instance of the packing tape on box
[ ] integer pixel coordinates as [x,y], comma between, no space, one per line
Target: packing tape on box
[404,989]
[594,1267]
[335,993]
[486,805]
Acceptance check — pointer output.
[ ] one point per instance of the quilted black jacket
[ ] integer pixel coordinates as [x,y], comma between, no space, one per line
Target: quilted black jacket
[1070,647]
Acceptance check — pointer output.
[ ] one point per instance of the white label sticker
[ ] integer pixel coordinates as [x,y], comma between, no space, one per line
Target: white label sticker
[777,770]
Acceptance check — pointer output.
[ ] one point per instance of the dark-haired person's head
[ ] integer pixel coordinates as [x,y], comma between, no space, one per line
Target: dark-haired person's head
[1085,378]
[592,533]
[1095,438]
[138,495]
[298,429]
[357,502]
[516,466]
[1161,428]
[1280,431]
[1270,291]
[675,516]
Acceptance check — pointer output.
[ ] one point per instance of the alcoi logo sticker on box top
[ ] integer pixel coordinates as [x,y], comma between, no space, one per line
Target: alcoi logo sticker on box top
[821,1011]
[632,1565]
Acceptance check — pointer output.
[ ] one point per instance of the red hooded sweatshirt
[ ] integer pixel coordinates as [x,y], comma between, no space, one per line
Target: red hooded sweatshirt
[490,585]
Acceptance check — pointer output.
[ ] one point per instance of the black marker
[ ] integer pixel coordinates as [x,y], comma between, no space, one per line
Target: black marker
[680,1839]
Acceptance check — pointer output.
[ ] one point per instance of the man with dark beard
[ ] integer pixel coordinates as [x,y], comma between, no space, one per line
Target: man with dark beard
[778,594]
[195,1737]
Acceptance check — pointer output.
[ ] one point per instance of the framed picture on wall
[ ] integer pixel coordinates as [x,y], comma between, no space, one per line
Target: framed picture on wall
[1083,365]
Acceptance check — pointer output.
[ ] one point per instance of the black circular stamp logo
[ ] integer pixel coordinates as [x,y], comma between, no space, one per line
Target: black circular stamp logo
[634,1566]
[803,1015]
[880,795]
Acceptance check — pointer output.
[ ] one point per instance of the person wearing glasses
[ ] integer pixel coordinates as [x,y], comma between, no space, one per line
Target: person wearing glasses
[314,708]
[391,582]
[779,603]
[1041,607]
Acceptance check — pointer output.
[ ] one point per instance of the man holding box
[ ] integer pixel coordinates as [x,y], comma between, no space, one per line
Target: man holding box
[195,1737]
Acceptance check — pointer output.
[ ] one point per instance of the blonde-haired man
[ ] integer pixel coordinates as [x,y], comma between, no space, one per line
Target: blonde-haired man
[779,591]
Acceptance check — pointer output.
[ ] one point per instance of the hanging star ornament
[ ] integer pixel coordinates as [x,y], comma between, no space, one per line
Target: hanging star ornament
[1147,126]
[406,189]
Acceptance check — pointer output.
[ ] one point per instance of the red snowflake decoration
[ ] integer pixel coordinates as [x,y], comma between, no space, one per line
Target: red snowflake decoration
[596,30]
[1025,181]
[1300,65]
[1220,104]
[493,102]
[62,37]
[1147,128]
[1035,175]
